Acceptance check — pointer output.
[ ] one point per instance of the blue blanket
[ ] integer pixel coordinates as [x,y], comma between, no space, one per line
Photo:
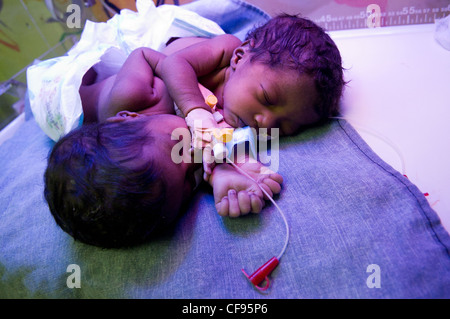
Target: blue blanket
[359,229]
[346,209]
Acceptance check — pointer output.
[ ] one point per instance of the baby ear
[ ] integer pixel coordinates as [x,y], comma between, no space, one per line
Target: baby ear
[122,116]
[240,52]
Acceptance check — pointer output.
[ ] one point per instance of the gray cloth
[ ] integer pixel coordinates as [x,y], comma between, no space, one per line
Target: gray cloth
[346,208]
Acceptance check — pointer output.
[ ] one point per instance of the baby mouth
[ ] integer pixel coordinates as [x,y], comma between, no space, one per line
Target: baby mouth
[233,120]
[241,122]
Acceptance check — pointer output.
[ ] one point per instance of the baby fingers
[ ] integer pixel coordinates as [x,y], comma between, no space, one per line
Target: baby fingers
[271,183]
[237,204]
[274,186]
[234,210]
[257,203]
[223,207]
[244,202]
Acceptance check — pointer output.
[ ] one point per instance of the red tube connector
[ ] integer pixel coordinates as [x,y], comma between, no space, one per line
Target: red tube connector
[262,274]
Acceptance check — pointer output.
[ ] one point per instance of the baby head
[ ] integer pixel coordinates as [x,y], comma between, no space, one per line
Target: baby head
[286,74]
[113,184]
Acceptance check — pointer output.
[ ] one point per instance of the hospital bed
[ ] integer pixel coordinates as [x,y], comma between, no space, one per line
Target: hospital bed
[358,228]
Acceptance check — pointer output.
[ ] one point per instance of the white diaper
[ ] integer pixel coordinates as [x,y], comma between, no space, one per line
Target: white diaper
[53,84]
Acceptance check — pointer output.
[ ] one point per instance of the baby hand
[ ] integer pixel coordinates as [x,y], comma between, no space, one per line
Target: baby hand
[235,194]
[201,123]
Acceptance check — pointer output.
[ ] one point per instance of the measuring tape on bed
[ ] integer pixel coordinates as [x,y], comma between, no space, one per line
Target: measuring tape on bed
[383,14]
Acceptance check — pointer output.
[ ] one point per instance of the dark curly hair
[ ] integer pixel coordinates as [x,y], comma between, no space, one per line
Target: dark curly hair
[97,191]
[300,44]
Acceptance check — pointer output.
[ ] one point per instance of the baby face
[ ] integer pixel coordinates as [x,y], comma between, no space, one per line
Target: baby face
[261,96]
[178,177]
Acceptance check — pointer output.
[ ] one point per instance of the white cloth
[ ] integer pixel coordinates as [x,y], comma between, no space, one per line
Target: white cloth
[442,33]
[53,84]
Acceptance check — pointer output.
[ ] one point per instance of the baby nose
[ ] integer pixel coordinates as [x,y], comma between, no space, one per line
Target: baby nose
[266,121]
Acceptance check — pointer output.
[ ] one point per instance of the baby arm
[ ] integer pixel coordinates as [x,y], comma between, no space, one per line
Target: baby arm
[181,70]
[134,88]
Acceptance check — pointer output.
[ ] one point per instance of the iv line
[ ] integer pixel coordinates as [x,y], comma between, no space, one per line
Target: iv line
[274,203]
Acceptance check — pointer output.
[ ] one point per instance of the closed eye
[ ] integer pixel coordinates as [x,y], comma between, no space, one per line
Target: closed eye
[267,99]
